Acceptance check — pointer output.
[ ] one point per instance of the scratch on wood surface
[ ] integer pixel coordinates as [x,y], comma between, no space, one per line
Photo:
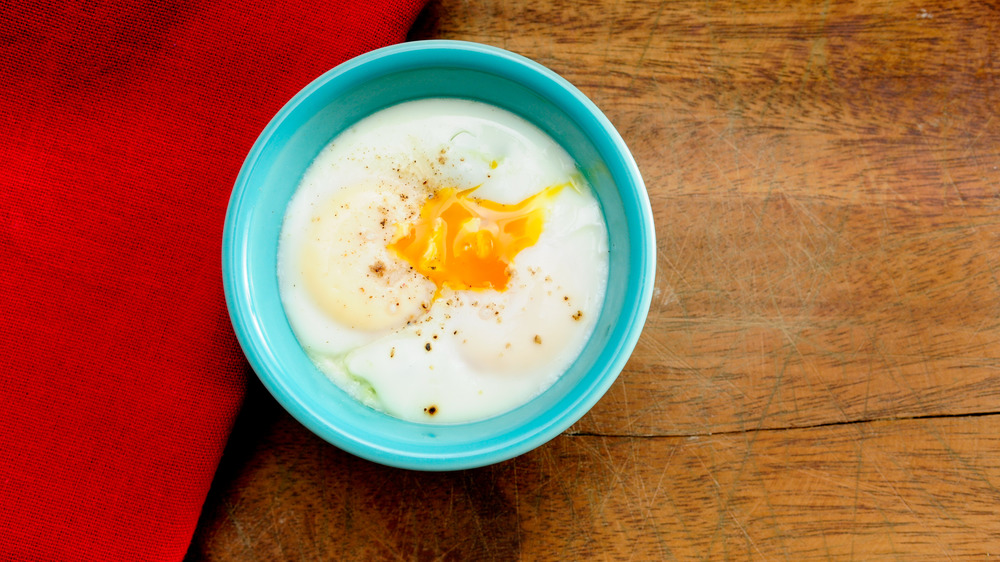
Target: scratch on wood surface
[859,446]
[742,465]
[724,511]
[882,513]
[969,152]
[275,528]
[604,73]
[934,431]
[899,496]
[648,511]
[717,489]
[857,491]
[666,258]
[231,515]
[771,514]
[653,28]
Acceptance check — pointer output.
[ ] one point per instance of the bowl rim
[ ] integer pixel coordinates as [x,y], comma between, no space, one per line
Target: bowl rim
[236,274]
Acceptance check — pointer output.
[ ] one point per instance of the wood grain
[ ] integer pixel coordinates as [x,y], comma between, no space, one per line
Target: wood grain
[825,182]
[905,489]
[819,377]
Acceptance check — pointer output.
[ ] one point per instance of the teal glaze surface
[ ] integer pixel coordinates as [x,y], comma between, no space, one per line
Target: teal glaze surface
[333,102]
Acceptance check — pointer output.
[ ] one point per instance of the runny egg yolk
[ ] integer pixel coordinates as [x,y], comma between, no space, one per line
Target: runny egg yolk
[461,242]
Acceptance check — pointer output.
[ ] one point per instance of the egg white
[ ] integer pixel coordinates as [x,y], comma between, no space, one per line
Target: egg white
[372,324]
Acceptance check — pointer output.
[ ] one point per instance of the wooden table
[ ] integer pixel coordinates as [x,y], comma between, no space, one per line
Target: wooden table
[819,377]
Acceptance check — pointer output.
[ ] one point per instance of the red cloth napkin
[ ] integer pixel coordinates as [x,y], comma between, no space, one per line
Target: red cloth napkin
[123,125]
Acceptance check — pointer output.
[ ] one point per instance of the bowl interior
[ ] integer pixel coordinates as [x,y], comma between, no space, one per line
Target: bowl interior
[309,122]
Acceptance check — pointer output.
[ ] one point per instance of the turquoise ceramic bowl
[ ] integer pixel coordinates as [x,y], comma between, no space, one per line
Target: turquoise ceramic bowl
[311,120]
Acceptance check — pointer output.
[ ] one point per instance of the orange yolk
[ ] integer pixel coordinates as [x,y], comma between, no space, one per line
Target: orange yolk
[465,243]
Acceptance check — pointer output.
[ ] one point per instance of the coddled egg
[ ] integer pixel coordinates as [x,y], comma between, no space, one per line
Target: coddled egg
[443,260]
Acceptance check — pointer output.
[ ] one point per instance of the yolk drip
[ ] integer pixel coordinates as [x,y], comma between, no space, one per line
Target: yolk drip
[465,243]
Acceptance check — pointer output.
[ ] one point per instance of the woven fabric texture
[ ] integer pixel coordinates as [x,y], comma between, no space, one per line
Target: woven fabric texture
[124,125]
